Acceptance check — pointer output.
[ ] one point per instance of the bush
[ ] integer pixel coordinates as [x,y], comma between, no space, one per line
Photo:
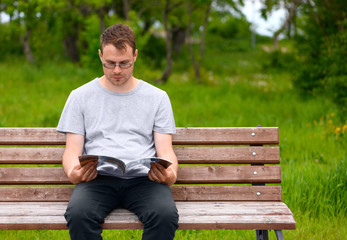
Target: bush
[232,27]
[324,70]
[280,60]
[154,51]
[9,38]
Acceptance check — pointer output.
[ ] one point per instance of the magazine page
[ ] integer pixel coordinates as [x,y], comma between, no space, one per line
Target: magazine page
[84,159]
[110,166]
[105,163]
[147,163]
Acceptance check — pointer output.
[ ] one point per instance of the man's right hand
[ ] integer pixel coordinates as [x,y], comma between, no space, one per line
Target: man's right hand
[72,168]
[86,173]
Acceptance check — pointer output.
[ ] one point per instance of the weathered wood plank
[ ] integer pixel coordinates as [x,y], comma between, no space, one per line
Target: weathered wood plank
[193,215]
[213,136]
[184,136]
[227,193]
[186,208]
[31,155]
[185,155]
[229,174]
[180,193]
[31,136]
[228,155]
[33,175]
[186,175]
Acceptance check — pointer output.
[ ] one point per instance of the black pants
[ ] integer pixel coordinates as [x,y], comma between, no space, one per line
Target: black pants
[91,202]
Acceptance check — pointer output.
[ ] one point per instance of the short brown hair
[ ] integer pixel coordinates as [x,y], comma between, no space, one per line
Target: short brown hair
[118,35]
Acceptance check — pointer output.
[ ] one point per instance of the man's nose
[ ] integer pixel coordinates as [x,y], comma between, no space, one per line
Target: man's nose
[117,69]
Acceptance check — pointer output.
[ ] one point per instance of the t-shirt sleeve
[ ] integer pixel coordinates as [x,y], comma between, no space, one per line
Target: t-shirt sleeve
[71,119]
[164,119]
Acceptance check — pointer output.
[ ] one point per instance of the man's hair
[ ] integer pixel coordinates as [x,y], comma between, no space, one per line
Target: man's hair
[118,35]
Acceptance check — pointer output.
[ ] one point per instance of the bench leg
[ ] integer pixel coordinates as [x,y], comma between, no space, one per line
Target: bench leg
[262,235]
[279,234]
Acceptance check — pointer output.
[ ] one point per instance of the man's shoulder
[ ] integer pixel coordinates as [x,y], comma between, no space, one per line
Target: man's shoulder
[151,89]
[86,88]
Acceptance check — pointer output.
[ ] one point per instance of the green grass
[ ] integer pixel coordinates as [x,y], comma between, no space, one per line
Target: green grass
[239,90]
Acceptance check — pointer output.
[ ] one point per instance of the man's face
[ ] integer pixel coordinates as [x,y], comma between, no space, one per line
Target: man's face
[118,76]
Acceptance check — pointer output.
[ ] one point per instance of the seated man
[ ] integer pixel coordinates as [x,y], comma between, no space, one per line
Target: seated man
[119,116]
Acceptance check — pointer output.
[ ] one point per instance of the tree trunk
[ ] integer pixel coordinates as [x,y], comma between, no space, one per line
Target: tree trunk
[126,8]
[291,12]
[26,47]
[168,44]
[71,46]
[178,38]
[197,63]
[101,14]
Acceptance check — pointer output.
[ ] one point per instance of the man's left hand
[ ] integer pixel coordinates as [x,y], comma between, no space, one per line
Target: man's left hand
[160,174]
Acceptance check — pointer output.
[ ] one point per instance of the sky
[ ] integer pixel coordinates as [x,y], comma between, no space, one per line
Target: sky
[263,27]
[252,12]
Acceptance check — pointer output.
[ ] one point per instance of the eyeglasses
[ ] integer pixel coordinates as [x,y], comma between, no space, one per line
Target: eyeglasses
[121,65]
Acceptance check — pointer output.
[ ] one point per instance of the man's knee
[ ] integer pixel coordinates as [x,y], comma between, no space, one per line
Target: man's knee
[80,214]
[164,215]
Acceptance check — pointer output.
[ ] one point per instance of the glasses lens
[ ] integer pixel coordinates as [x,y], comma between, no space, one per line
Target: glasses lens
[121,65]
[125,65]
[109,65]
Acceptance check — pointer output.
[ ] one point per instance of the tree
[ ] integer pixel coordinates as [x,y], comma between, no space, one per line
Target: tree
[290,5]
[323,44]
[204,13]
[24,13]
[169,27]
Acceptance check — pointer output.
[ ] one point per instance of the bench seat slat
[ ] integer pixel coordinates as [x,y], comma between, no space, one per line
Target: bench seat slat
[193,215]
[186,175]
[180,193]
[183,136]
[186,155]
[187,208]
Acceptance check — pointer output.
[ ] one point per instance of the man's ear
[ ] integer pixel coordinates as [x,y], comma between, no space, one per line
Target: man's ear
[100,55]
[135,55]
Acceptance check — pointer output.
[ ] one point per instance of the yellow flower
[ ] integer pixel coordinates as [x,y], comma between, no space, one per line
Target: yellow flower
[332,114]
[337,130]
[344,128]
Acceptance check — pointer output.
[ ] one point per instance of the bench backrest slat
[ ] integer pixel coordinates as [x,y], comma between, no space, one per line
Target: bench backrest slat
[186,155]
[180,193]
[186,175]
[184,136]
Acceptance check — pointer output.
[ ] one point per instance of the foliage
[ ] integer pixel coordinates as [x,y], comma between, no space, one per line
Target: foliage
[154,51]
[10,41]
[230,27]
[323,44]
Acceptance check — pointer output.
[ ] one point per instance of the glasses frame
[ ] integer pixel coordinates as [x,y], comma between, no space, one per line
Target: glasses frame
[120,65]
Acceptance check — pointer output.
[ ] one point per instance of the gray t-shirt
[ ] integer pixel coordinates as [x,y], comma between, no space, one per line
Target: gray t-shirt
[118,125]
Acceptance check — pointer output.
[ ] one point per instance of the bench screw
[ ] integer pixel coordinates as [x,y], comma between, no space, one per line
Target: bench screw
[255,173]
[253,134]
[254,154]
[258,193]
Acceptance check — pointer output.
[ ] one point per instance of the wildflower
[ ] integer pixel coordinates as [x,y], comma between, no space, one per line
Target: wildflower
[337,130]
[344,128]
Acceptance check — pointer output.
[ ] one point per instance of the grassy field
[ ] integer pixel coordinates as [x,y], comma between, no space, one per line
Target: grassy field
[239,90]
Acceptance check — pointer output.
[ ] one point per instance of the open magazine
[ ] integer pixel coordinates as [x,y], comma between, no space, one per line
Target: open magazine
[116,167]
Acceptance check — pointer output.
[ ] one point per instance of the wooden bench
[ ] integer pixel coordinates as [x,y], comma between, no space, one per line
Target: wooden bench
[221,181]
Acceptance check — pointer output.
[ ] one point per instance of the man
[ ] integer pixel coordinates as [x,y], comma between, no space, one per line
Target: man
[120,116]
